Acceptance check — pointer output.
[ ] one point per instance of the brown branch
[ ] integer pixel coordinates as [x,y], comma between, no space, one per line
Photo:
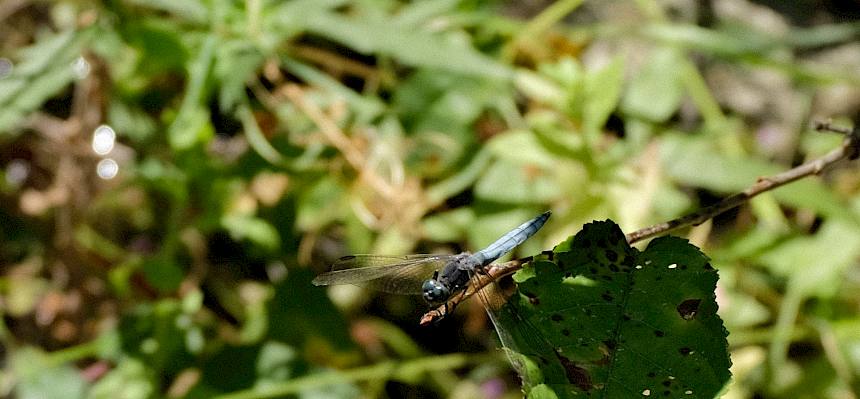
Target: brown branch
[339,140]
[495,272]
[850,149]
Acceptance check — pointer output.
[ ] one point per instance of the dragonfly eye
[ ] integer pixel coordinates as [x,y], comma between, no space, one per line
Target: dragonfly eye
[434,291]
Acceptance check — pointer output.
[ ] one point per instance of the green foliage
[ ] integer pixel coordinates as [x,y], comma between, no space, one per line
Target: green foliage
[600,318]
[258,141]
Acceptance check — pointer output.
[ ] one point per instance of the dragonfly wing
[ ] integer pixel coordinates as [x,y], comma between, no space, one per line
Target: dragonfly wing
[508,322]
[391,274]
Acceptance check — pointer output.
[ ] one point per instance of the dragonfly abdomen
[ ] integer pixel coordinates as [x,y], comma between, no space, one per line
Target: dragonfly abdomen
[510,240]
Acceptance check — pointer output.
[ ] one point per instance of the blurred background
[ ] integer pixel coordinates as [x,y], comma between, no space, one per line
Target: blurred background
[173,175]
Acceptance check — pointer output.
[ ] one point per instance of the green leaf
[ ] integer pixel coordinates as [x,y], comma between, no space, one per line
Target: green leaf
[521,147]
[253,229]
[192,125]
[447,226]
[655,92]
[692,161]
[520,184]
[191,10]
[38,378]
[602,92]
[45,70]
[320,204]
[129,380]
[601,318]
[815,264]
[235,64]
[409,45]
[163,274]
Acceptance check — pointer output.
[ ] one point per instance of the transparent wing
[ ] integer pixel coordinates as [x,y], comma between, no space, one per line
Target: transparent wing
[392,274]
[507,322]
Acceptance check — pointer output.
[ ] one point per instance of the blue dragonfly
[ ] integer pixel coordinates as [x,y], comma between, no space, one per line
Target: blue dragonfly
[437,278]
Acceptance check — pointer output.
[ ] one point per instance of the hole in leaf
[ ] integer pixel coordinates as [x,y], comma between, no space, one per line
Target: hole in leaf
[688,309]
[576,375]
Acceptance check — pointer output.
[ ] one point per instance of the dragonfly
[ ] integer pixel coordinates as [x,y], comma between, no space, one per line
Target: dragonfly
[436,277]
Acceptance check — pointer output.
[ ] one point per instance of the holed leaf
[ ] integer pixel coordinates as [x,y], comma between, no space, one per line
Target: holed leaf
[598,318]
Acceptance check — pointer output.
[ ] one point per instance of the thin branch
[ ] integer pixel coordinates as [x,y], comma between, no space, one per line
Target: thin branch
[850,149]
[338,139]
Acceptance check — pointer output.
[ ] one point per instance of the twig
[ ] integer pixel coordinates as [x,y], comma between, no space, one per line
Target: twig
[495,272]
[850,149]
[338,139]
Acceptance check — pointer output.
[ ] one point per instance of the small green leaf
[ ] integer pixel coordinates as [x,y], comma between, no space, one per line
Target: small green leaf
[320,204]
[163,274]
[520,184]
[521,147]
[815,264]
[253,229]
[191,10]
[602,92]
[448,226]
[129,380]
[38,378]
[235,64]
[45,69]
[409,45]
[600,318]
[655,92]
[192,125]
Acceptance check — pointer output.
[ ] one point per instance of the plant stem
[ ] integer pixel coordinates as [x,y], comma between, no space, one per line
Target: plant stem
[848,150]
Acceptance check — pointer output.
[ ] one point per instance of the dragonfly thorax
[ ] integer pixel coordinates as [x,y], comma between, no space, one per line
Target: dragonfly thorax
[453,278]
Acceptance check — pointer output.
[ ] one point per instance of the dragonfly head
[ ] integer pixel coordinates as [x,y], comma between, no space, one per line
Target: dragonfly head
[434,291]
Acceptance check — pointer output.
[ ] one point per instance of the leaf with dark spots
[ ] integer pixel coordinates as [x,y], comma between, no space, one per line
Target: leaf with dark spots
[601,319]
[611,256]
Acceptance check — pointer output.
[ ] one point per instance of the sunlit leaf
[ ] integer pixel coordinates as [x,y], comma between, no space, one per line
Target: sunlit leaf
[601,318]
